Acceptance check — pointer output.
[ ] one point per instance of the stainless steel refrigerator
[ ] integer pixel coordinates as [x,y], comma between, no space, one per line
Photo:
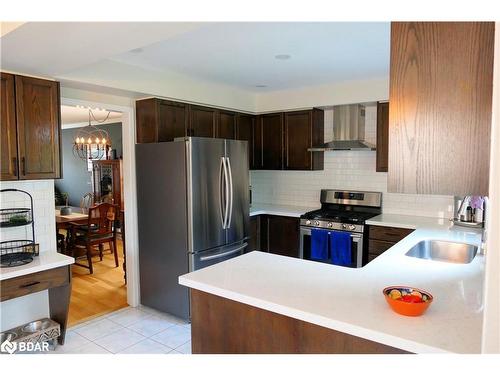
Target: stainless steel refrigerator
[193,211]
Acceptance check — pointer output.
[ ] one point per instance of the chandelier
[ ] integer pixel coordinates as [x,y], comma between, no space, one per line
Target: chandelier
[92,143]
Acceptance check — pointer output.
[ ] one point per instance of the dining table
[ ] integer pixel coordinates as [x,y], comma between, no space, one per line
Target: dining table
[77,215]
[63,222]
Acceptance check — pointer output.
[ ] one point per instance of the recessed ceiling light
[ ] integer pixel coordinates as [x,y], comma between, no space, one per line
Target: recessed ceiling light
[136,50]
[260,86]
[282,57]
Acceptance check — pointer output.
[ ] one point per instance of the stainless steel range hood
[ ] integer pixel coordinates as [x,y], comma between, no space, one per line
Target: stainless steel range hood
[348,124]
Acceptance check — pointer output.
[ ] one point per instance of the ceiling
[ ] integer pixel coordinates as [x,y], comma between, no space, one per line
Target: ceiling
[241,55]
[80,116]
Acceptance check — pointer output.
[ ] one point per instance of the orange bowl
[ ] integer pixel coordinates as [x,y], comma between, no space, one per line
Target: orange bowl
[393,296]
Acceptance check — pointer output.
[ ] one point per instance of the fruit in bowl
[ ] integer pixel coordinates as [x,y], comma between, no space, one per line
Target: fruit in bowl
[407,300]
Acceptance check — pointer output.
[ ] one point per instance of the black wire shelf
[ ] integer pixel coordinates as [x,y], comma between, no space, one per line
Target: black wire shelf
[19,251]
[15,217]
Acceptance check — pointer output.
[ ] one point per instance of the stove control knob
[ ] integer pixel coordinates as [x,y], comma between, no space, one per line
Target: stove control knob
[330,225]
[316,223]
[308,222]
[348,226]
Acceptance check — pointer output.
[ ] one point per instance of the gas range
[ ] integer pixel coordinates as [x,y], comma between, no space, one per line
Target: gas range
[343,210]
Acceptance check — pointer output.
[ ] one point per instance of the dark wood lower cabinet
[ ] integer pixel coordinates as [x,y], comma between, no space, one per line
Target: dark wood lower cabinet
[254,241]
[280,235]
[381,238]
[223,326]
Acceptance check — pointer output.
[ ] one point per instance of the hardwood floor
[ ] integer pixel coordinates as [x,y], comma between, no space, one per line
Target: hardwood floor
[100,293]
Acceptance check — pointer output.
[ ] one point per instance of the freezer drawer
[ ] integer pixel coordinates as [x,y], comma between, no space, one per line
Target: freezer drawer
[210,257]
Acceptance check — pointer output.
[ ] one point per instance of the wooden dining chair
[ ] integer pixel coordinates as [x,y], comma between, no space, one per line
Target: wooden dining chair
[98,230]
[87,201]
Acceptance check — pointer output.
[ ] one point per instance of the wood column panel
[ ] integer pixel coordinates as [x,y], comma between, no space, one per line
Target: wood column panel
[441,81]
[223,326]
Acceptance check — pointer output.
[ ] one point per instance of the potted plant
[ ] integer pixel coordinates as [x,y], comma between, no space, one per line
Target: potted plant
[65,210]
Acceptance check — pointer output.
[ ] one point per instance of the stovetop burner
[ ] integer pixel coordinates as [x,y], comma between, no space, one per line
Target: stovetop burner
[344,209]
[339,216]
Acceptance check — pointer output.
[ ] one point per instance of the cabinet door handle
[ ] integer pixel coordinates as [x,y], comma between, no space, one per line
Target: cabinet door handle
[268,242]
[29,284]
[16,167]
[23,162]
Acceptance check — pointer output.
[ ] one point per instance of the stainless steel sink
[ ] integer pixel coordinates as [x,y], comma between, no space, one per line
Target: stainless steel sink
[443,251]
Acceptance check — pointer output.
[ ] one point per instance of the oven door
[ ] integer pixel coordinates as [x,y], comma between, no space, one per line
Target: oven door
[356,246]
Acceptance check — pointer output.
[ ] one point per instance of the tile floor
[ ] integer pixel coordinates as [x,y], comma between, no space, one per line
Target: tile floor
[140,330]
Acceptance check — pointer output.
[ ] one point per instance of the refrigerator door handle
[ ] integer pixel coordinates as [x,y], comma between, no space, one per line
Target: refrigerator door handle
[222,186]
[228,224]
[226,194]
[209,257]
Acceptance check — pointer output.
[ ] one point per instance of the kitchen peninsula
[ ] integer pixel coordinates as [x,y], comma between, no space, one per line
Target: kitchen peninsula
[266,303]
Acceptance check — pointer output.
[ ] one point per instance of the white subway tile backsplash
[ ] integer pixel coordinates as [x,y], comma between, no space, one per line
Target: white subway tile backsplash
[43,211]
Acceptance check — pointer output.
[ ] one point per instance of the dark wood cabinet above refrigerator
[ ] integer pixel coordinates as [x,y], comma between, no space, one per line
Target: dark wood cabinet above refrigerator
[276,141]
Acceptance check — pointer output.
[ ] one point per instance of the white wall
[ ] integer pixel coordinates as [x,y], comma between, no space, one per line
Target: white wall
[164,84]
[371,90]
[491,322]
[352,170]
[24,309]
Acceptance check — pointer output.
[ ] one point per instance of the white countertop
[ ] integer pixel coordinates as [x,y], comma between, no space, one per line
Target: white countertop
[279,210]
[351,301]
[45,261]
[409,222]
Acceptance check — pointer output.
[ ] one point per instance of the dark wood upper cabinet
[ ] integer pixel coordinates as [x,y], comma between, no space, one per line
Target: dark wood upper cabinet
[159,120]
[257,144]
[202,121]
[146,119]
[303,130]
[271,128]
[172,120]
[245,125]
[38,128]
[8,129]
[226,125]
[382,136]
[31,128]
[280,235]
[441,79]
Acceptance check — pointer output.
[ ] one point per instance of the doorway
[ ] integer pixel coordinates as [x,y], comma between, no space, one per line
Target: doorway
[106,179]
